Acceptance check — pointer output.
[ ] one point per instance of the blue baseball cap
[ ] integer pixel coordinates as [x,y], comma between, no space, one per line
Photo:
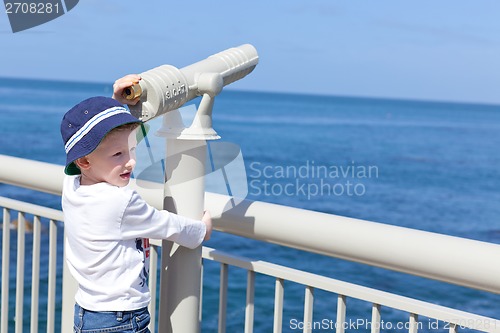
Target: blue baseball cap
[85,125]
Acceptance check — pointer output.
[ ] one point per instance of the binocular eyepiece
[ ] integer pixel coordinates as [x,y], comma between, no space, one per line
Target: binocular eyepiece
[132,92]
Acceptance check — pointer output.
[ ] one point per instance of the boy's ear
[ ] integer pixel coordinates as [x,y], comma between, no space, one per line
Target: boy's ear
[83,163]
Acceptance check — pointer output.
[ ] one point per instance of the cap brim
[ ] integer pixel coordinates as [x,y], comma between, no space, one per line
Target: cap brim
[72,170]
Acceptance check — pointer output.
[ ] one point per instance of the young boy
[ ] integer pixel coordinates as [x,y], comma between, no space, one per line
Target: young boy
[108,225]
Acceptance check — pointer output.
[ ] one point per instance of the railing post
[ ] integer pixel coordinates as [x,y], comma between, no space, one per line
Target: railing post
[4,305]
[70,286]
[180,286]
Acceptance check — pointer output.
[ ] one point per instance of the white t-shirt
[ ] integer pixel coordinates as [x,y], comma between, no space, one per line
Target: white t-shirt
[107,242]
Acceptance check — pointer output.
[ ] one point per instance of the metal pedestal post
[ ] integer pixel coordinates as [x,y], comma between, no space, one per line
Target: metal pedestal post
[180,289]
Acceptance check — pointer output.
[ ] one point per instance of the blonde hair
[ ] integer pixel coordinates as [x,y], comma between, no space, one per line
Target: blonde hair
[129,126]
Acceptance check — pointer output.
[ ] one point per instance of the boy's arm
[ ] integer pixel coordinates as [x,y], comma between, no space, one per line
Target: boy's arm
[122,83]
[142,220]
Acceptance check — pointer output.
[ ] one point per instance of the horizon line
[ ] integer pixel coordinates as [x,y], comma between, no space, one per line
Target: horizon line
[324,95]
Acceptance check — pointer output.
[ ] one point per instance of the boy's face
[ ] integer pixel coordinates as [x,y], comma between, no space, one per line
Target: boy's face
[113,160]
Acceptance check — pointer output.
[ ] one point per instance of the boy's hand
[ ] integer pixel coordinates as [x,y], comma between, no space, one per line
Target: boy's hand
[207,219]
[122,83]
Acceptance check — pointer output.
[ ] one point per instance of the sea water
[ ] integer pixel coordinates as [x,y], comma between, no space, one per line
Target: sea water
[431,166]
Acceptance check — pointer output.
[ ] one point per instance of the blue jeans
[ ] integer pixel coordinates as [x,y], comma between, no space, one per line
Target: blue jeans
[86,321]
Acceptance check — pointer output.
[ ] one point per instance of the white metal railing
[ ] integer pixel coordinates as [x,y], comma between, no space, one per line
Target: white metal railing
[38,213]
[452,318]
[437,259]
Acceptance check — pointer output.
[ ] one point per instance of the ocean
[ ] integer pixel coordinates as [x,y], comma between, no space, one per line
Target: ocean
[426,165]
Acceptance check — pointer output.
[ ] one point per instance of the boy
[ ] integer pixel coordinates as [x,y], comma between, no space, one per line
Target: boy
[108,226]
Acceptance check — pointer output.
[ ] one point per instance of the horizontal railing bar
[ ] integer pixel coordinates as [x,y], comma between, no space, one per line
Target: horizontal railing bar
[424,254]
[402,303]
[29,208]
[35,175]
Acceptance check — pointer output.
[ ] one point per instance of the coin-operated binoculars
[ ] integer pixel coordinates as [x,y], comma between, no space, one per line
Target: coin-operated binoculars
[166,88]
[162,90]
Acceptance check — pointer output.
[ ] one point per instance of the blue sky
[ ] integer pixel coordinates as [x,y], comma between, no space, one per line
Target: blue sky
[429,50]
